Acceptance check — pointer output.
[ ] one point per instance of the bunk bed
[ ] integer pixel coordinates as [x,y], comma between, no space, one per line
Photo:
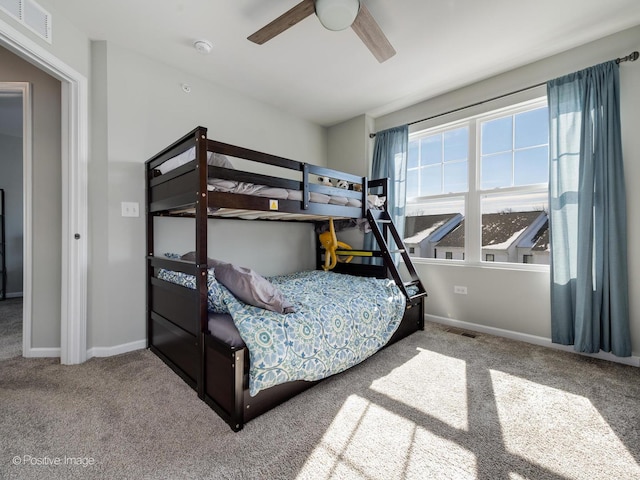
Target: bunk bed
[204,345]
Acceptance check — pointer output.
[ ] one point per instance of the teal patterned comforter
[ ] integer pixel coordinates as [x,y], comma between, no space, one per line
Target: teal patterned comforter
[340,320]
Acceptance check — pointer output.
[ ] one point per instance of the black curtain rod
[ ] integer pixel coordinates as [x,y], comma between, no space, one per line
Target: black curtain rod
[632,57]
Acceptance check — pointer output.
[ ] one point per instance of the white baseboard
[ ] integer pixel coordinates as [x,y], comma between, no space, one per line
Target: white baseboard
[92,352]
[42,353]
[116,350]
[634,361]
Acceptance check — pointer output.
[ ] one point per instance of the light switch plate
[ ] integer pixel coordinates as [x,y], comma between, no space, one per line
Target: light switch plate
[130,209]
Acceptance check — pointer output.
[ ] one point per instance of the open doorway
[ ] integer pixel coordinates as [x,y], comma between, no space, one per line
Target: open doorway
[14,175]
[74,135]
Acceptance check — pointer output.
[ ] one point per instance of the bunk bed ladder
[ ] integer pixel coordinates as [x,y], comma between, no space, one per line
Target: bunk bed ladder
[380,234]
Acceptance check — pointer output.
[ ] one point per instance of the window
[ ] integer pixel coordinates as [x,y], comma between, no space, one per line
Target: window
[485,178]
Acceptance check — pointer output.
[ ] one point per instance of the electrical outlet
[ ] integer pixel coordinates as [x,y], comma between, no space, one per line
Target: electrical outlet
[460,290]
[130,209]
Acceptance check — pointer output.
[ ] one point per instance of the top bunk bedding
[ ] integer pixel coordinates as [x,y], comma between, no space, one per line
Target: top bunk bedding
[234,190]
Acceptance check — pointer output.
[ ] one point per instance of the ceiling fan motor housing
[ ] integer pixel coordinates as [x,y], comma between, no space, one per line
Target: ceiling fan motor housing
[337,14]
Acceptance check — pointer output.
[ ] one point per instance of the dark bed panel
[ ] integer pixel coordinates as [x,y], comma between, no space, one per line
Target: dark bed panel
[180,191]
[267,399]
[224,379]
[181,184]
[412,321]
[359,269]
[176,344]
[177,304]
[181,145]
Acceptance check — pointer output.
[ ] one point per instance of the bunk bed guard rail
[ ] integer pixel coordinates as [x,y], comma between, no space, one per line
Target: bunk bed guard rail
[165,194]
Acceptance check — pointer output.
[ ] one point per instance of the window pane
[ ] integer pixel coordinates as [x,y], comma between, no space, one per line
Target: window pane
[413,183]
[532,128]
[515,227]
[497,135]
[431,180]
[531,166]
[456,144]
[413,154]
[431,150]
[496,171]
[436,229]
[455,177]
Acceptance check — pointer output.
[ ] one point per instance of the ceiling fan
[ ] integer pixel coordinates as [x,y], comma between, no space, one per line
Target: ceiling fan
[333,15]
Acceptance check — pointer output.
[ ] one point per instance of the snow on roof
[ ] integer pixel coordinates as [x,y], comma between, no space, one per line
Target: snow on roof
[506,244]
[418,228]
[499,230]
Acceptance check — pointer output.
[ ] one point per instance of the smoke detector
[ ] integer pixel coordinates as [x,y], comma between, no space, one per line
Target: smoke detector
[203,46]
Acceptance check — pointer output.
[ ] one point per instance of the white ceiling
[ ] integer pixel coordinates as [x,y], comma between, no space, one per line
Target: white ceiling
[328,77]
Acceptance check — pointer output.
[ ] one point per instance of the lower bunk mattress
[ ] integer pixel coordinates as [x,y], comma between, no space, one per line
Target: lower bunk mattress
[339,321]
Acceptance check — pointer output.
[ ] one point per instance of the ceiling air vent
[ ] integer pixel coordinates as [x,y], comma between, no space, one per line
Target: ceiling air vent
[30,14]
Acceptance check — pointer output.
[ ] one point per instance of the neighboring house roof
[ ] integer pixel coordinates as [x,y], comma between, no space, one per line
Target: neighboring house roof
[455,238]
[499,230]
[417,228]
[541,241]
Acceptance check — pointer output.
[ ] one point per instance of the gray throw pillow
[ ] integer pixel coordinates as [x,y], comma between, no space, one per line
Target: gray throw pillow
[251,287]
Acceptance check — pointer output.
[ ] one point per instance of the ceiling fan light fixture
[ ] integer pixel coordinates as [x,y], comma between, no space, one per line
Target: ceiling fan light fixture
[337,14]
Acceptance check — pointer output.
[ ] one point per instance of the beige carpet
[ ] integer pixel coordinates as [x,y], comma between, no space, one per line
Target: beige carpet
[437,405]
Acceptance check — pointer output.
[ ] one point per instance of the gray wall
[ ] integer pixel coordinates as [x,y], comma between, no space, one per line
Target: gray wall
[47,196]
[11,182]
[518,301]
[349,145]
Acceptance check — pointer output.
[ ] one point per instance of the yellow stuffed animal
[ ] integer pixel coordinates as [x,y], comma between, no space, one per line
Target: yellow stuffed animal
[330,243]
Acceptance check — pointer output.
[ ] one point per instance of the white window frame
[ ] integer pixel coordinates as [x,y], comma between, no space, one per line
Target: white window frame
[472,198]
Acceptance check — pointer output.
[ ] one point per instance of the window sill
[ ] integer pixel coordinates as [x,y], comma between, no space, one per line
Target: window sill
[519,267]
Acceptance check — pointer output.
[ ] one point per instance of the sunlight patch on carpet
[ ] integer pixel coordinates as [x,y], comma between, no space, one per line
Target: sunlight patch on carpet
[431,383]
[367,441]
[535,419]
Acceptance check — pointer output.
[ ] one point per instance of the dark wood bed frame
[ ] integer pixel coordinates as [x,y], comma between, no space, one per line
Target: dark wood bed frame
[177,317]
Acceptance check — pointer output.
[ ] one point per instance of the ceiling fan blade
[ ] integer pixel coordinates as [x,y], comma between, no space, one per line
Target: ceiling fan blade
[372,36]
[283,22]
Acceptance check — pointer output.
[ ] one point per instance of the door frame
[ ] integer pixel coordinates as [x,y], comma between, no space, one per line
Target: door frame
[74,154]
